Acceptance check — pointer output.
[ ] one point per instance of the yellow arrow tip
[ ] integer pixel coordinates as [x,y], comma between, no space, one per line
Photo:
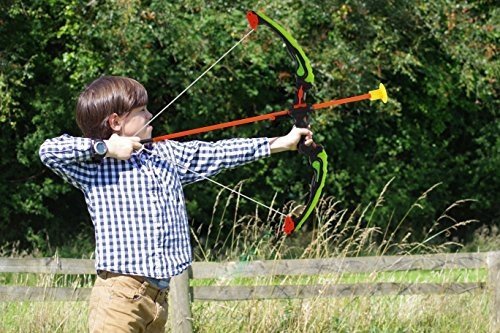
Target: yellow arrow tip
[380,93]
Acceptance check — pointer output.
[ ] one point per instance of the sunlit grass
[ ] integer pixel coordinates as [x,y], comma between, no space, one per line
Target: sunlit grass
[460,313]
[338,233]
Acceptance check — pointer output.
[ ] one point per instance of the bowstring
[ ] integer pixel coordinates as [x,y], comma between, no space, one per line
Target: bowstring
[194,82]
[192,171]
[143,148]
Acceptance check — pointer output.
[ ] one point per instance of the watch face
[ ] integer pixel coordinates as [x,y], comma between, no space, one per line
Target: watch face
[100,148]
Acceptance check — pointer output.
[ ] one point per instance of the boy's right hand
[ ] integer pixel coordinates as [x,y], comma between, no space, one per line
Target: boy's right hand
[122,147]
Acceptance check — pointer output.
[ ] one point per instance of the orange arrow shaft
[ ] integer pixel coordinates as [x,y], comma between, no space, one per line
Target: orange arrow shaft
[335,102]
[269,116]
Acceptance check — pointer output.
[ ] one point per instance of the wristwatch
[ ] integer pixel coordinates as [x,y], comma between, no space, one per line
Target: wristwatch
[100,150]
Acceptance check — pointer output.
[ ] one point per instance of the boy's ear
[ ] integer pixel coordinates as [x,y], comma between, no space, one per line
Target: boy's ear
[115,122]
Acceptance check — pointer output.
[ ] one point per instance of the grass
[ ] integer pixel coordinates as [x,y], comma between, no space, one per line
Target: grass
[419,313]
[338,233]
[464,313]
[43,317]
[432,313]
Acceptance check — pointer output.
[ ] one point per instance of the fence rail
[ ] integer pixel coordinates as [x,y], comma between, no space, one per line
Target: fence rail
[182,293]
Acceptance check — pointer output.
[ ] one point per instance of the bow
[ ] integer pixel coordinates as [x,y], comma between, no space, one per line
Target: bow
[299,111]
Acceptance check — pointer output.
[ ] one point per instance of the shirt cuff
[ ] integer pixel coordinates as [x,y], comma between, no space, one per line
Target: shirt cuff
[263,148]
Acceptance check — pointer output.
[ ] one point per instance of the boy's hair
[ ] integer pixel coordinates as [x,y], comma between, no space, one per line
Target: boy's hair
[102,98]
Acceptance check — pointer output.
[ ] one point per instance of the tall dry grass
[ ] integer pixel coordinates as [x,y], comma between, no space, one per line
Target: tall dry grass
[337,232]
[50,316]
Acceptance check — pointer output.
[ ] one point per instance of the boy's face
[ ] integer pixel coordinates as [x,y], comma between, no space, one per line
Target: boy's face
[133,121]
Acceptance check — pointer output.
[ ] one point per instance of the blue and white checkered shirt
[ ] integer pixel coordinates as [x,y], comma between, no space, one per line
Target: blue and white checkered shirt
[137,206]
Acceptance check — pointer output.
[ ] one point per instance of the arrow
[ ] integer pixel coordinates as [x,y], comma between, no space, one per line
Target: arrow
[373,95]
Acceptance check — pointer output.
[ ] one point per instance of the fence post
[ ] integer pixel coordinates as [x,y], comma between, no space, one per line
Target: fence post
[180,303]
[494,286]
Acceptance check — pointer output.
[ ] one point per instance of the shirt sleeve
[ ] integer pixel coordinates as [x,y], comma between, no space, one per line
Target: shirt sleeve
[196,160]
[71,158]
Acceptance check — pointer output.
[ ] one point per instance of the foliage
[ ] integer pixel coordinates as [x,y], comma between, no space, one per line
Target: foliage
[438,60]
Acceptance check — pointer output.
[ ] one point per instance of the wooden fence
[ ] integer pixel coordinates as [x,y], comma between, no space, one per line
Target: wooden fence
[182,293]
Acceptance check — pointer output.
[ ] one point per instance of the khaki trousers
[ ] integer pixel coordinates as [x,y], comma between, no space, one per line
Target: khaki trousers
[124,303]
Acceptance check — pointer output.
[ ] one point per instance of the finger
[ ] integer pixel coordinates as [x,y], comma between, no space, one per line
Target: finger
[136,145]
[135,138]
[305,132]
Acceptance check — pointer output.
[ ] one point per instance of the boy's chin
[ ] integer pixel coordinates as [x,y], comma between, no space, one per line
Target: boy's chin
[147,133]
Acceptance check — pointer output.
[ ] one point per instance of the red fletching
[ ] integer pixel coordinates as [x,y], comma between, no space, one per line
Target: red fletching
[289,225]
[253,19]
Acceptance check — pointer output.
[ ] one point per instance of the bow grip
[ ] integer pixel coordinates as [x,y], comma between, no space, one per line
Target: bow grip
[300,115]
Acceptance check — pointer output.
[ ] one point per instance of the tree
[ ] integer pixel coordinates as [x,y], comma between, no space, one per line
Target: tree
[438,60]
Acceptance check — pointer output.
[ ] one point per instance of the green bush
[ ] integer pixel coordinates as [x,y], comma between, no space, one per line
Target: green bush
[438,60]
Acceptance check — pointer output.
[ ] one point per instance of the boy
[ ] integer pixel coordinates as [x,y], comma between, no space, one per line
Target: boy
[135,198]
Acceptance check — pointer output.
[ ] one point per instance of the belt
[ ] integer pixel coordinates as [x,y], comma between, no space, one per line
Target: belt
[155,288]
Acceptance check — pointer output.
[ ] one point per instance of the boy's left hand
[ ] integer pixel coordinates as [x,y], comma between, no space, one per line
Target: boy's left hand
[291,140]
